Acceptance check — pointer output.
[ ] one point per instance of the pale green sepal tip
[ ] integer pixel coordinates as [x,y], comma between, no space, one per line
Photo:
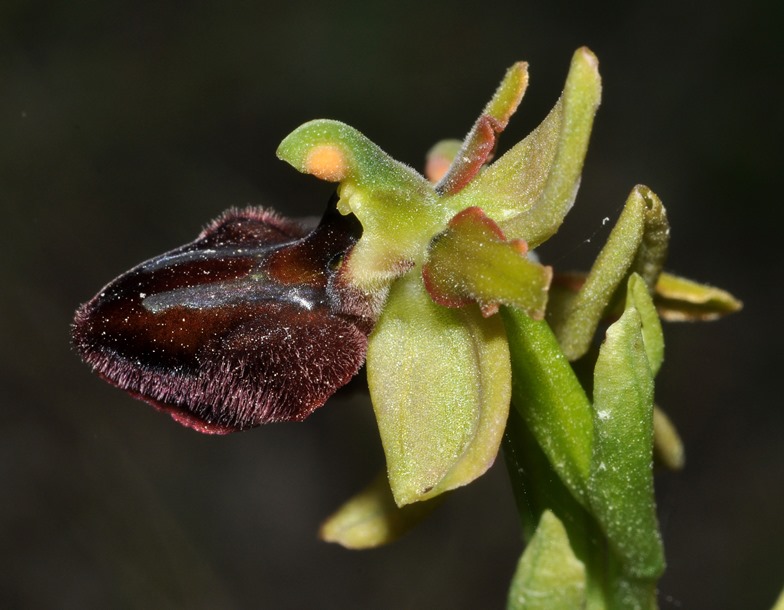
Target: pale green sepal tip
[509,94]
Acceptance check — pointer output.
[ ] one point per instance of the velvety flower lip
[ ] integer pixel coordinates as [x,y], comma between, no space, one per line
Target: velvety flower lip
[245,325]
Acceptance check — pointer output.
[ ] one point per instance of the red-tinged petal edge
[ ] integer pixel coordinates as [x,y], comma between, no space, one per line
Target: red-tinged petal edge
[241,327]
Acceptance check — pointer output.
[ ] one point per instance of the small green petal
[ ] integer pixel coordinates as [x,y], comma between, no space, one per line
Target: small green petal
[440,384]
[679,300]
[472,262]
[621,485]
[371,518]
[480,142]
[548,576]
[529,190]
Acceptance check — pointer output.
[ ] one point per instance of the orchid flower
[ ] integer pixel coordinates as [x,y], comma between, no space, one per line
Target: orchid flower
[430,280]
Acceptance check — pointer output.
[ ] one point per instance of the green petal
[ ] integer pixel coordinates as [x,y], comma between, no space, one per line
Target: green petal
[548,576]
[529,190]
[394,203]
[480,142]
[679,299]
[371,518]
[621,485]
[472,262]
[440,383]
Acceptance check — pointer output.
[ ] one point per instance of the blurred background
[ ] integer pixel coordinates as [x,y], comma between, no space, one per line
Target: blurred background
[125,126]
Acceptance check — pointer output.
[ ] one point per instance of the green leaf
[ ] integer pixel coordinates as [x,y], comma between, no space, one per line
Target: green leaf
[529,190]
[636,243]
[548,576]
[621,484]
[550,399]
[440,383]
[371,518]
[679,300]
[395,204]
[472,262]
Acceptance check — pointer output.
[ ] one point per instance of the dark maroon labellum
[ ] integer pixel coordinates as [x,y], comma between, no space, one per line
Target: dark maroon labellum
[246,325]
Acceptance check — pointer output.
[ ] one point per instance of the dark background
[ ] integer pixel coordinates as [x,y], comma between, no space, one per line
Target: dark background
[126,126]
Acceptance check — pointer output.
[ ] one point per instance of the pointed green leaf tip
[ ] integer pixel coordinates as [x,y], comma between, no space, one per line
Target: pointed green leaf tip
[549,576]
[472,262]
[440,384]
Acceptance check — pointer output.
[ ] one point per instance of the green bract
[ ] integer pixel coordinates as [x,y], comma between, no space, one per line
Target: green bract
[548,576]
[438,258]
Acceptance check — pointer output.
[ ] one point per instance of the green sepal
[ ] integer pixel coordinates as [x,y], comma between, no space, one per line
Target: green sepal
[440,384]
[621,482]
[550,399]
[471,261]
[548,575]
[371,518]
[637,243]
[529,190]
[394,203]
